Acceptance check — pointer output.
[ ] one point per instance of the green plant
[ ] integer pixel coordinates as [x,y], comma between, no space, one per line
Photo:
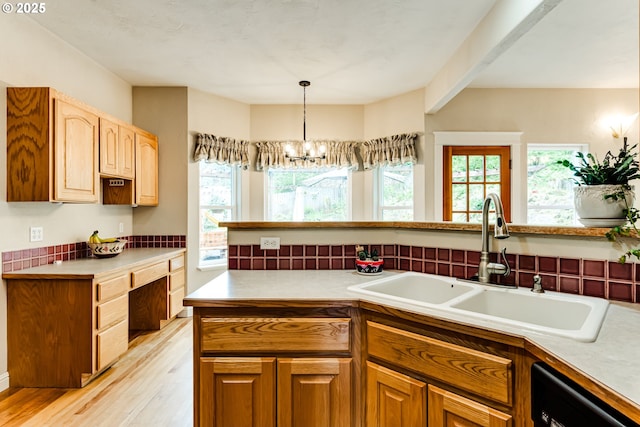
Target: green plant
[364,255]
[614,170]
[625,231]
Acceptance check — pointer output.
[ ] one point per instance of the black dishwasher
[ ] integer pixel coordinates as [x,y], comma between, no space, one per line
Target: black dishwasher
[556,401]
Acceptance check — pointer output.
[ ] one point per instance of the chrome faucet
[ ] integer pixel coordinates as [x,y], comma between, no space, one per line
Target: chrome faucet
[486,268]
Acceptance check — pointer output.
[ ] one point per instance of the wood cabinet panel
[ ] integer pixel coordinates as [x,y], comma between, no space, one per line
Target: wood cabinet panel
[117,150]
[176,281]
[112,311]
[146,170]
[481,373]
[237,392]
[110,288]
[175,302]
[451,410]
[176,263]
[394,399]
[111,343]
[149,274]
[76,154]
[314,392]
[275,334]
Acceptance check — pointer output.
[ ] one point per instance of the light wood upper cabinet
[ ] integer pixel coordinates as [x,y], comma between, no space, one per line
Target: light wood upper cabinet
[58,148]
[146,169]
[52,147]
[117,150]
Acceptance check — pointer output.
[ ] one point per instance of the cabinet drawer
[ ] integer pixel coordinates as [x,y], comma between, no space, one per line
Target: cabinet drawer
[176,281]
[275,334]
[112,311]
[175,302]
[477,372]
[111,288]
[111,343]
[149,274]
[176,263]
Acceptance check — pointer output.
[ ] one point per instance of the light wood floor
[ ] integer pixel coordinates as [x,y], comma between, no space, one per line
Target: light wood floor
[151,385]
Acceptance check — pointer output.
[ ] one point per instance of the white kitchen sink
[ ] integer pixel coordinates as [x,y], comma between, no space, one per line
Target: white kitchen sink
[416,288]
[572,316]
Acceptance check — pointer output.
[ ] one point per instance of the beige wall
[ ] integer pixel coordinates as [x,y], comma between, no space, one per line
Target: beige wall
[399,114]
[221,117]
[32,56]
[554,116]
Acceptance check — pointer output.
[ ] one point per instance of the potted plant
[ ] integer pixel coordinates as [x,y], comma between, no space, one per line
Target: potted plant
[368,263]
[603,196]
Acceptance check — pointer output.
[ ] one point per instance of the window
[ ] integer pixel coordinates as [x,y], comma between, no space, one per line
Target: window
[308,194]
[395,192]
[219,193]
[550,185]
[469,174]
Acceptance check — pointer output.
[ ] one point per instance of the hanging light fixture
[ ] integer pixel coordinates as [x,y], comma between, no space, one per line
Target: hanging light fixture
[307,153]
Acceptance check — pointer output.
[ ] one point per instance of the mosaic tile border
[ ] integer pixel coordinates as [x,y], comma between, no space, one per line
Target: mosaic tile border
[605,279]
[34,257]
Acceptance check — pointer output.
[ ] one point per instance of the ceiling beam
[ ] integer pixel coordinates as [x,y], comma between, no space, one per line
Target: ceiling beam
[505,23]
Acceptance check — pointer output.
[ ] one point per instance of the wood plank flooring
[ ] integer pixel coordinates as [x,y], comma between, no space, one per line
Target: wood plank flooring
[151,385]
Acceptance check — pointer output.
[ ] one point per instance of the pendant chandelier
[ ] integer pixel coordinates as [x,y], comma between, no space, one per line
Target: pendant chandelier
[307,152]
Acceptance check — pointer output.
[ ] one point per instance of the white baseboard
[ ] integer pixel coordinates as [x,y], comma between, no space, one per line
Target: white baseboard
[4,381]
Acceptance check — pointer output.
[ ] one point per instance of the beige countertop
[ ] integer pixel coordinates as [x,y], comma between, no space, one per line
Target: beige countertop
[612,360]
[87,268]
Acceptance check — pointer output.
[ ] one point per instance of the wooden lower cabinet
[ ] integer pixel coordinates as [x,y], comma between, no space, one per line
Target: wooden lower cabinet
[394,399]
[283,392]
[448,409]
[237,392]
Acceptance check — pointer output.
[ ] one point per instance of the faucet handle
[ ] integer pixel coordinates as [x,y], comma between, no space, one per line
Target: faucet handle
[506,262]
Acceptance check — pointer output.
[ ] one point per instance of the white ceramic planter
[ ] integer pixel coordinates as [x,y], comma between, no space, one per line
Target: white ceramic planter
[596,211]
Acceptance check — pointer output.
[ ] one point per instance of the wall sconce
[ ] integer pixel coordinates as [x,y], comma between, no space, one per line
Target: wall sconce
[307,153]
[620,125]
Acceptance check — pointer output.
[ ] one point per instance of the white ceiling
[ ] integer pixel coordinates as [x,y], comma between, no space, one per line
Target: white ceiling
[352,51]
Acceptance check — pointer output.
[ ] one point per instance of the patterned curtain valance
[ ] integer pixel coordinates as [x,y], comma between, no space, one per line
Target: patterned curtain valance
[222,150]
[391,150]
[340,154]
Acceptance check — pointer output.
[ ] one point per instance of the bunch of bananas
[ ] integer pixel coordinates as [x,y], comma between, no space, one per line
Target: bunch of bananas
[94,238]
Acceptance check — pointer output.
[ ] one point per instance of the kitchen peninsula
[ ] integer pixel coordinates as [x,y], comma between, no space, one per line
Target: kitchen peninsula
[69,322]
[304,334]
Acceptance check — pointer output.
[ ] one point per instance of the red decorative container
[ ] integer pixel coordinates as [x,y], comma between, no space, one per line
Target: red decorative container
[369,266]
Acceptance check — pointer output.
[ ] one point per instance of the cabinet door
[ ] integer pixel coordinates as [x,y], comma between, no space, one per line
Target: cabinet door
[126,152]
[394,399]
[314,392]
[448,409]
[237,392]
[146,170]
[76,176]
[109,150]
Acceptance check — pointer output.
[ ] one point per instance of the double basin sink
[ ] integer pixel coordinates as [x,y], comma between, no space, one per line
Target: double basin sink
[573,316]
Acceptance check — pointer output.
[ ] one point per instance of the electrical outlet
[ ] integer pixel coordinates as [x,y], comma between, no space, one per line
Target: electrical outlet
[269,243]
[36,234]
[121,227]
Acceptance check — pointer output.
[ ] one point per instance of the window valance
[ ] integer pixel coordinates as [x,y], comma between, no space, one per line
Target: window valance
[221,150]
[390,150]
[271,154]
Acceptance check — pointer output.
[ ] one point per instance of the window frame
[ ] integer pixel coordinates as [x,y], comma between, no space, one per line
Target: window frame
[378,188]
[236,198]
[449,151]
